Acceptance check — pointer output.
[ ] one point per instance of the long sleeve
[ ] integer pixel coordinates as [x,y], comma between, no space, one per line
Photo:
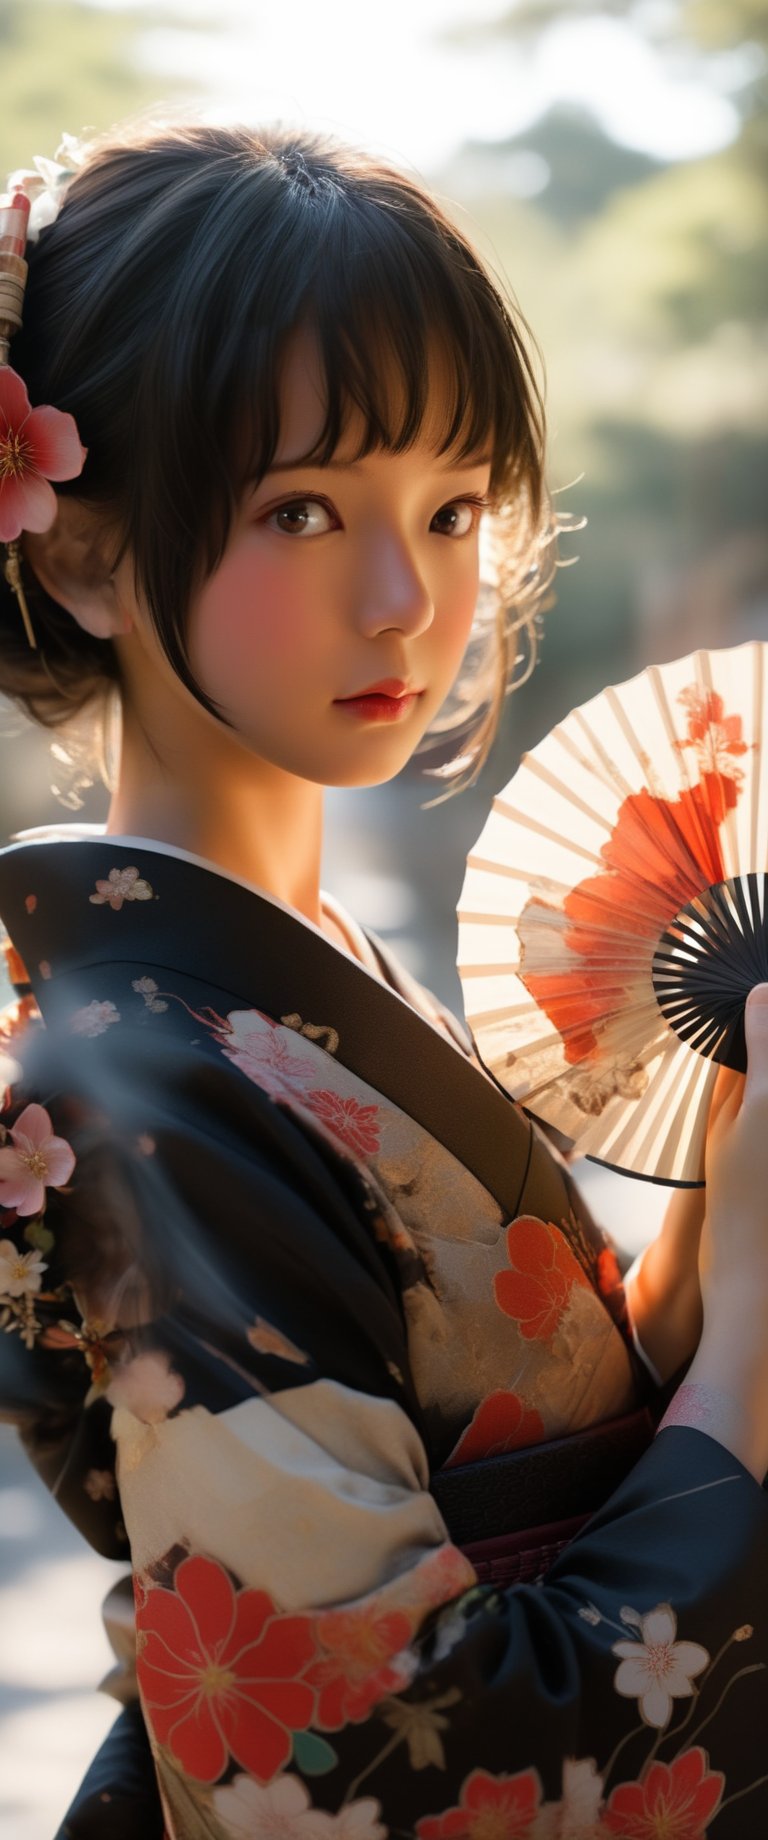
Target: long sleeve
[313,1652]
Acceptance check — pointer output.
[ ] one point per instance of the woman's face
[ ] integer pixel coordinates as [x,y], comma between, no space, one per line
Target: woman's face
[335,579]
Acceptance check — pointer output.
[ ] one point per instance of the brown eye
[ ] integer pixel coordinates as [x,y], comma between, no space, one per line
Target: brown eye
[294,511]
[475,507]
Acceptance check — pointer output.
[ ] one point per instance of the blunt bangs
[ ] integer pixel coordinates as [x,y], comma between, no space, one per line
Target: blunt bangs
[160,307]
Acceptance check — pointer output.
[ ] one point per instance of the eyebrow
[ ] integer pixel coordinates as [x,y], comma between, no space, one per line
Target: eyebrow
[356,466]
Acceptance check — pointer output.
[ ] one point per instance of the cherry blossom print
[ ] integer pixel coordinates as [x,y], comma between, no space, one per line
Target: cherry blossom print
[147,1386]
[37,1160]
[657,1669]
[100,1485]
[222,1673]
[537,1291]
[260,1048]
[365,1657]
[21,1273]
[146,987]
[490,1808]
[502,1422]
[36,445]
[673,1801]
[353,1123]
[94,1018]
[121,885]
[282,1810]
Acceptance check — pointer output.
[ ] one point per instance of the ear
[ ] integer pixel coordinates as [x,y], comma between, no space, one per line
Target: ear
[71,563]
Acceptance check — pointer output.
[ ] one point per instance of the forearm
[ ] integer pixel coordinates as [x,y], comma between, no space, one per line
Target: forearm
[663,1291]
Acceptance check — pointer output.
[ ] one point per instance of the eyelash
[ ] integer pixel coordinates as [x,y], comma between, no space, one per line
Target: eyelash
[479,502]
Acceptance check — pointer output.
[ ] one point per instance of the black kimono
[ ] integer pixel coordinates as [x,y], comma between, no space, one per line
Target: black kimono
[275,1252]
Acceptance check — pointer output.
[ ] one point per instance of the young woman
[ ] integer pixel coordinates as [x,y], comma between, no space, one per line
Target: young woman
[278,1257]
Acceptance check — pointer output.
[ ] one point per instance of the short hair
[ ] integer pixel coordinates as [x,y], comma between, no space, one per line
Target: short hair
[159,302]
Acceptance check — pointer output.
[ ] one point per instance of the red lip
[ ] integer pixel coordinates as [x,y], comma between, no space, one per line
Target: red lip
[388,686]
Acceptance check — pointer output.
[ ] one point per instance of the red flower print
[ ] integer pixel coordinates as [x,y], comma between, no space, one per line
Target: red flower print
[359,1666]
[674,1801]
[219,1672]
[502,1422]
[538,1289]
[608,1272]
[35,445]
[355,1124]
[491,1808]
[611,1284]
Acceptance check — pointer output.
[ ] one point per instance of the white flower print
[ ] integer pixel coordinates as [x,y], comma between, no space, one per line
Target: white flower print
[281,1810]
[20,1272]
[94,1018]
[658,1669]
[577,1816]
[121,885]
[147,1386]
[357,1822]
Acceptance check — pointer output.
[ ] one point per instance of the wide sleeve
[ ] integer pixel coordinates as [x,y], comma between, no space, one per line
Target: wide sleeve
[314,1655]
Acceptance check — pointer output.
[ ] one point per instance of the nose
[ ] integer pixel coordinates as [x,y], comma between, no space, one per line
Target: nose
[393,593]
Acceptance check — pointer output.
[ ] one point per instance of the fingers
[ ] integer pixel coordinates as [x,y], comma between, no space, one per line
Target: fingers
[756,1027]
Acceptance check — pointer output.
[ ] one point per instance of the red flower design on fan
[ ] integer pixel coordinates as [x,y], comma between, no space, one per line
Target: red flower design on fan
[537,1291]
[222,1675]
[36,445]
[674,1801]
[490,1808]
[660,855]
[363,1661]
[502,1422]
[355,1124]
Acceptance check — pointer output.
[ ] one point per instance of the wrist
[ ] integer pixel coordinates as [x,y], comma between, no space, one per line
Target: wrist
[725,1394]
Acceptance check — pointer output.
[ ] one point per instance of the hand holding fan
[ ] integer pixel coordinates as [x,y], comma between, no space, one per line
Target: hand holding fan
[614,911]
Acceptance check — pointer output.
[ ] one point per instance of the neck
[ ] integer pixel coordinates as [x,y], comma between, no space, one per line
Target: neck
[247,816]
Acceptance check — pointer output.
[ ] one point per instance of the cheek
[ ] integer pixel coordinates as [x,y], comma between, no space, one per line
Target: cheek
[246,621]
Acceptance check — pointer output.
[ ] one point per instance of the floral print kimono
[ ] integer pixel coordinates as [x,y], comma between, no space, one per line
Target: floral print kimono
[275,1252]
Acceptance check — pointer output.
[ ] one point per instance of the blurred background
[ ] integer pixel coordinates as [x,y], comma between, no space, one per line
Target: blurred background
[610,164]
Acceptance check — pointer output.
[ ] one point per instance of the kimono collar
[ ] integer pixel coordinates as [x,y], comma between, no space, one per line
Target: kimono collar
[113,907]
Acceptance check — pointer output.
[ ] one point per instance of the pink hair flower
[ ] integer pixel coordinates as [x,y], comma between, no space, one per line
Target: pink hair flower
[36,445]
[37,1161]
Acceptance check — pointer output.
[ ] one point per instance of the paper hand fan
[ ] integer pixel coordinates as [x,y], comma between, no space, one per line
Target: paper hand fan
[614,911]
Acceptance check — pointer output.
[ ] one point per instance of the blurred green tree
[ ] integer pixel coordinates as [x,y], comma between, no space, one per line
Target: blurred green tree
[70,67]
[645,282]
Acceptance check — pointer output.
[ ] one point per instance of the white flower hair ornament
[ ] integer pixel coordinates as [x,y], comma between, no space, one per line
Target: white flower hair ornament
[38,444]
[44,184]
